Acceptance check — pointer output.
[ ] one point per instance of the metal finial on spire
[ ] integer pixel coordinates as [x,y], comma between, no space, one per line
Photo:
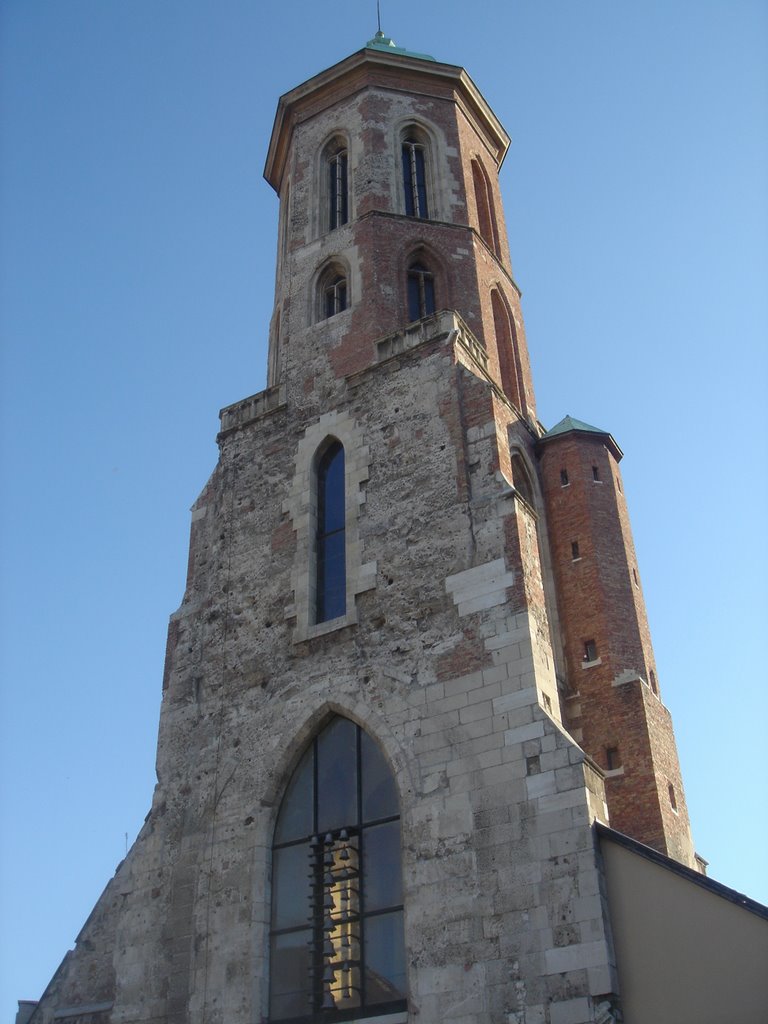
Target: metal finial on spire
[378,14]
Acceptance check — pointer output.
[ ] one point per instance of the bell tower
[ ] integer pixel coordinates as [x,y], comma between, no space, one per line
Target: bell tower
[387,173]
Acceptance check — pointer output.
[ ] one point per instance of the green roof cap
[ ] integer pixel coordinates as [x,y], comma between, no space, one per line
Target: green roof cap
[570,425]
[387,45]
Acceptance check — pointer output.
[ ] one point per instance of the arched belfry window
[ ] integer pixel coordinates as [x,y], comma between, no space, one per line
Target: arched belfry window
[337,185]
[337,949]
[521,479]
[330,538]
[332,292]
[415,171]
[421,291]
[509,356]
[486,214]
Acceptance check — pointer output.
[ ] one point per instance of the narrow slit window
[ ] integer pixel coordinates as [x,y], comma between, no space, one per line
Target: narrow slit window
[421,292]
[330,545]
[654,684]
[575,550]
[415,178]
[337,949]
[563,477]
[612,758]
[590,650]
[595,473]
[672,797]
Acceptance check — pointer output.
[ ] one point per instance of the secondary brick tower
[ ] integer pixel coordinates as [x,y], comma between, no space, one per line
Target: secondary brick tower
[411,667]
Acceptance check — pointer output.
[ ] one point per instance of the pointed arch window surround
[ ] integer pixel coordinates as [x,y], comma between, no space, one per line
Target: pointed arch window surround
[337,950]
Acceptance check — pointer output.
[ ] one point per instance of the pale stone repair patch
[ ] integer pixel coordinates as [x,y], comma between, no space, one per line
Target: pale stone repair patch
[481,587]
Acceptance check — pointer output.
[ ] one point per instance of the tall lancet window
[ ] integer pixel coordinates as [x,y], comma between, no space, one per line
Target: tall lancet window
[338,192]
[337,950]
[486,214]
[330,539]
[509,353]
[415,176]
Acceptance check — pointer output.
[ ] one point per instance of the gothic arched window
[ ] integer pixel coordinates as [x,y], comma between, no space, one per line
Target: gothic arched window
[337,947]
[338,190]
[522,479]
[414,157]
[335,296]
[508,352]
[332,293]
[486,214]
[330,538]
[421,292]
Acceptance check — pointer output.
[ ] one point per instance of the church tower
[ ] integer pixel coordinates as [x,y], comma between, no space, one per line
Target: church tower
[411,667]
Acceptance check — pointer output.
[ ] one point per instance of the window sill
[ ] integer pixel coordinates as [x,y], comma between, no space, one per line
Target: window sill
[592,664]
[400,1017]
[611,773]
[329,626]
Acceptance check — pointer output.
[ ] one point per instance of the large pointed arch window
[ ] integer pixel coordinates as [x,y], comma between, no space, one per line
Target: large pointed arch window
[337,949]
[330,538]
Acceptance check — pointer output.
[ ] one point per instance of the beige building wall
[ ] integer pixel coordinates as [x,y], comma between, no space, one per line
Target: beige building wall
[689,951]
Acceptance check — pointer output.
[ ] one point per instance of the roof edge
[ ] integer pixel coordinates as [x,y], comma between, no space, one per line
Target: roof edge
[716,888]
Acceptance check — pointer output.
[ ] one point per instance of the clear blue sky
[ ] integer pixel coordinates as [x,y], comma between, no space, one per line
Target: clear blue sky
[136,268]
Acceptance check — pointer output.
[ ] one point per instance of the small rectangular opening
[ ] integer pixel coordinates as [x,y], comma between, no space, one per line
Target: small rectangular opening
[575,550]
[612,758]
[590,650]
[563,477]
[595,473]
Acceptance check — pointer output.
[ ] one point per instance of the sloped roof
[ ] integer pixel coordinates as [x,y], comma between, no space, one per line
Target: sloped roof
[570,425]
